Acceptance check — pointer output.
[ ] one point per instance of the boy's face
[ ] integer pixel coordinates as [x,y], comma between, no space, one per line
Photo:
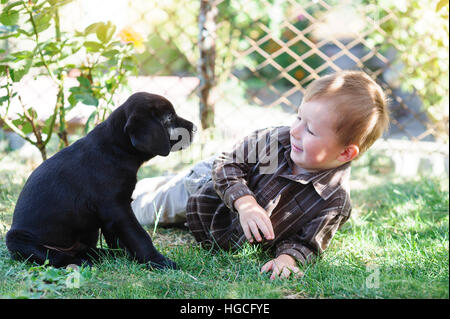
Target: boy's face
[314,143]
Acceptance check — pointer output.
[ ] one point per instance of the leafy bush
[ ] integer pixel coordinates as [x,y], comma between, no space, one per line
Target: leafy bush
[106,64]
[419,31]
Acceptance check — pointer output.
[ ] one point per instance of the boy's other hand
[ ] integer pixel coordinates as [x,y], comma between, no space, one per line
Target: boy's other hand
[253,218]
[282,266]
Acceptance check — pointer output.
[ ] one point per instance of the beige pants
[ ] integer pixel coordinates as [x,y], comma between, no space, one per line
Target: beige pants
[163,199]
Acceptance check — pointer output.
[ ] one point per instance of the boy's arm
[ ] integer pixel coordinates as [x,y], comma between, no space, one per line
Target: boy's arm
[253,218]
[315,236]
[230,170]
[230,174]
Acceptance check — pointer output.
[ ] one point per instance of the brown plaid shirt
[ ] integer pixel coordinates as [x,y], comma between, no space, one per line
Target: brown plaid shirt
[305,210]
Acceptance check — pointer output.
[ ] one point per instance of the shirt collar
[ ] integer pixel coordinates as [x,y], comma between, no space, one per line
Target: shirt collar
[326,182]
[284,137]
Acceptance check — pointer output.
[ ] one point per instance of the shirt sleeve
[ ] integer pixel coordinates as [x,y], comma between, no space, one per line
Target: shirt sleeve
[231,169]
[312,240]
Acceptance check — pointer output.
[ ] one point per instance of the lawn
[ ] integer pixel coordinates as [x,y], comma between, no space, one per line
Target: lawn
[394,246]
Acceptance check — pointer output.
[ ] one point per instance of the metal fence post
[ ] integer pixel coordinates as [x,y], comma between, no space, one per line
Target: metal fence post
[207,45]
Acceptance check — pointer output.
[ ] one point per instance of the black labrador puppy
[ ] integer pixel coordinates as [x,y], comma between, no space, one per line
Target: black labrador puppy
[88,185]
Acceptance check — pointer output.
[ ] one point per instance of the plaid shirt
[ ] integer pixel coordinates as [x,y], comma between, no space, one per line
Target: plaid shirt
[305,209]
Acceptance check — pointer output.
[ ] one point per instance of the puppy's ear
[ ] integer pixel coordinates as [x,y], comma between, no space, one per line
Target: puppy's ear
[148,136]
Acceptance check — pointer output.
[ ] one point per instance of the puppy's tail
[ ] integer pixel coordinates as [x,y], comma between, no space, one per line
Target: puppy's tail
[23,245]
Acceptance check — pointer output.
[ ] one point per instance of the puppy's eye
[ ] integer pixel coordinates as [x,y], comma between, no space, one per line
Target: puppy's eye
[168,120]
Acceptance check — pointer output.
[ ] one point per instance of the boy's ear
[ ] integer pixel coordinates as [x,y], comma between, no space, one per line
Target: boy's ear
[349,153]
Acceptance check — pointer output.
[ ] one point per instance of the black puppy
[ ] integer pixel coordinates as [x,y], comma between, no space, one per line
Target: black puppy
[88,185]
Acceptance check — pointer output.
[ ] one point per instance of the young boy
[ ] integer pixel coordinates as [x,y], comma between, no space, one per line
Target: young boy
[295,204]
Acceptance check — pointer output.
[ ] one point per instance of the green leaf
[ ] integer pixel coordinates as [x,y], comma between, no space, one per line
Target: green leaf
[85,98]
[90,122]
[12,5]
[23,125]
[21,31]
[130,64]
[72,100]
[84,81]
[3,71]
[46,128]
[105,31]
[3,99]
[59,3]
[92,46]
[92,28]
[43,20]
[18,122]
[51,48]
[10,17]
[20,55]
[17,75]
[111,53]
[51,274]
[27,128]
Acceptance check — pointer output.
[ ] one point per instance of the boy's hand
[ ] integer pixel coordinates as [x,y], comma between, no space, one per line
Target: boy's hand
[253,218]
[282,266]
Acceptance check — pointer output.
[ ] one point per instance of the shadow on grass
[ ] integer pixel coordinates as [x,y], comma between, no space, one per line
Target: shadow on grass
[398,235]
[424,199]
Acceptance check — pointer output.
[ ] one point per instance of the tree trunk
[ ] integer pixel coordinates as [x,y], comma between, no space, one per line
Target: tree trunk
[207,45]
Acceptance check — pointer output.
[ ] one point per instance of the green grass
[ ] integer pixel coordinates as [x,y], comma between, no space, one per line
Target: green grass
[394,246]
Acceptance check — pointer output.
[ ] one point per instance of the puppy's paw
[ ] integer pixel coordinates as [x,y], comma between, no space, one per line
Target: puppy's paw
[163,263]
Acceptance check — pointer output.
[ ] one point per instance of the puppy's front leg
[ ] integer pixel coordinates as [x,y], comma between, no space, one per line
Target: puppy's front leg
[121,229]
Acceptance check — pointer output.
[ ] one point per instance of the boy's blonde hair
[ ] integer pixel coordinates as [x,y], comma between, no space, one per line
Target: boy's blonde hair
[361,106]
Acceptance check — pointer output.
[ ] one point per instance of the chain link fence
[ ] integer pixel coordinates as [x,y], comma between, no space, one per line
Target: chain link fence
[242,65]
